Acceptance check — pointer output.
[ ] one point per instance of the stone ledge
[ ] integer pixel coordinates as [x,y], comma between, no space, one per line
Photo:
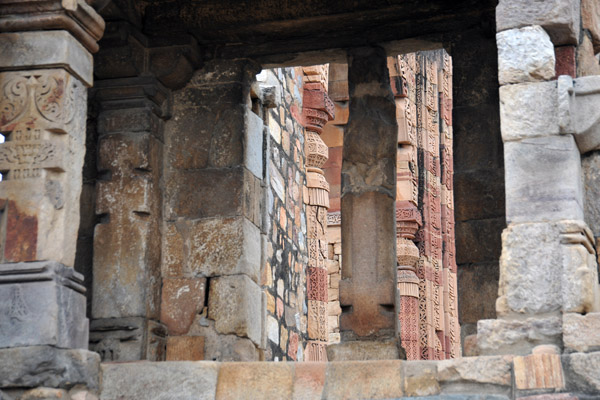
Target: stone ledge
[467,378]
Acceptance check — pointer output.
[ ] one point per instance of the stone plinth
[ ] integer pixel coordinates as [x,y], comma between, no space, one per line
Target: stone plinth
[42,303]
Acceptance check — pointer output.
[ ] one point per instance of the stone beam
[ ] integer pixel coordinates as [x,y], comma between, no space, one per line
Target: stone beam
[367,288]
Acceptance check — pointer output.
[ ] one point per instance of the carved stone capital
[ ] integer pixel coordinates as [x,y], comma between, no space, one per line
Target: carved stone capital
[318,108]
[74,16]
[136,92]
[408,220]
[130,53]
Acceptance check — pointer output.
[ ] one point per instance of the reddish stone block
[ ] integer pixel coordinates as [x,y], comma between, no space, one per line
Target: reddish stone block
[293,346]
[21,235]
[182,299]
[185,348]
[309,380]
[565,61]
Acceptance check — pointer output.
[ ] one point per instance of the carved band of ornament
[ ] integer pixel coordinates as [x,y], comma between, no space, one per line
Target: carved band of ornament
[408,289]
[318,197]
[316,150]
[318,100]
[316,351]
[34,154]
[399,86]
[408,213]
[406,229]
[314,120]
[55,96]
[334,218]
[316,180]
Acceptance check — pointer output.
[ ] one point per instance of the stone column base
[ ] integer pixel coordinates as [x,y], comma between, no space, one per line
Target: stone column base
[47,366]
[42,303]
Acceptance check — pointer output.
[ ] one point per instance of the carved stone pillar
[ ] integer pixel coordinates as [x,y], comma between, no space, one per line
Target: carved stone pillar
[44,76]
[368,285]
[317,110]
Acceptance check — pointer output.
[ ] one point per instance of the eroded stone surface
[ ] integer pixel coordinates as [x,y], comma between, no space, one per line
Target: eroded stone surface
[581,372]
[560,18]
[494,370]
[581,333]
[35,366]
[525,55]
[234,303]
[528,110]
[497,336]
[166,380]
[542,180]
[347,380]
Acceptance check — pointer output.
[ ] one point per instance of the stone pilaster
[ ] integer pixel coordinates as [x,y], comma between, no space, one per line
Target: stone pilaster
[213,210]
[44,76]
[368,285]
[548,266]
[126,267]
[317,110]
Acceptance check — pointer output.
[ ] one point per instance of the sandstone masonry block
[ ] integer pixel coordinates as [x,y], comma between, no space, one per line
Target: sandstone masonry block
[587,63]
[225,246]
[181,300]
[538,371]
[363,380]
[528,110]
[581,333]
[543,180]
[182,380]
[590,15]
[185,348]
[255,381]
[581,372]
[560,18]
[234,303]
[525,55]
[498,336]
[457,374]
[421,378]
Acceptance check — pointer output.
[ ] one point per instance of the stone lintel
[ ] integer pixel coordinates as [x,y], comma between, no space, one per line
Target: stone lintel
[364,350]
[45,49]
[42,303]
[47,366]
[74,16]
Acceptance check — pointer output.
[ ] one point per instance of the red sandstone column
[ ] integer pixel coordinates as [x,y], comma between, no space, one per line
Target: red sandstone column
[317,110]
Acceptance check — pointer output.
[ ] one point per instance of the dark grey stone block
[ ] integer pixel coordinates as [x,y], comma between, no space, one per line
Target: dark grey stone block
[42,303]
[128,339]
[35,366]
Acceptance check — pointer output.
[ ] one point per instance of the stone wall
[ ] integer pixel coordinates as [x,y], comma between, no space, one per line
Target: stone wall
[284,269]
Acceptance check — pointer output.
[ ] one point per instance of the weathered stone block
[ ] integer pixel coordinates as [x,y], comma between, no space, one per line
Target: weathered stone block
[581,372]
[560,18]
[525,55]
[253,143]
[590,16]
[364,380]
[181,300]
[185,348]
[128,339]
[35,366]
[224,246]
[421,378]
[24,50]
[254,381]
[234,302]
[45,394]
[309,380]
[581,333]
[587,63]
[543,180]
[42,303]
[528,110]
[456,373]
[178,380]
[498,336]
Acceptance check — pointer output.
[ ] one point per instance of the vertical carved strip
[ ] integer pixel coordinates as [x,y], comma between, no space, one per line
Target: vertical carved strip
[318,109]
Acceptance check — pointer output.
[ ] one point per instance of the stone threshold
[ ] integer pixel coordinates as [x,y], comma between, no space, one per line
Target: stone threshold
[532,377]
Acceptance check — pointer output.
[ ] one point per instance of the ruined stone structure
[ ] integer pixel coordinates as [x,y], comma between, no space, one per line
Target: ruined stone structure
[263,199]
